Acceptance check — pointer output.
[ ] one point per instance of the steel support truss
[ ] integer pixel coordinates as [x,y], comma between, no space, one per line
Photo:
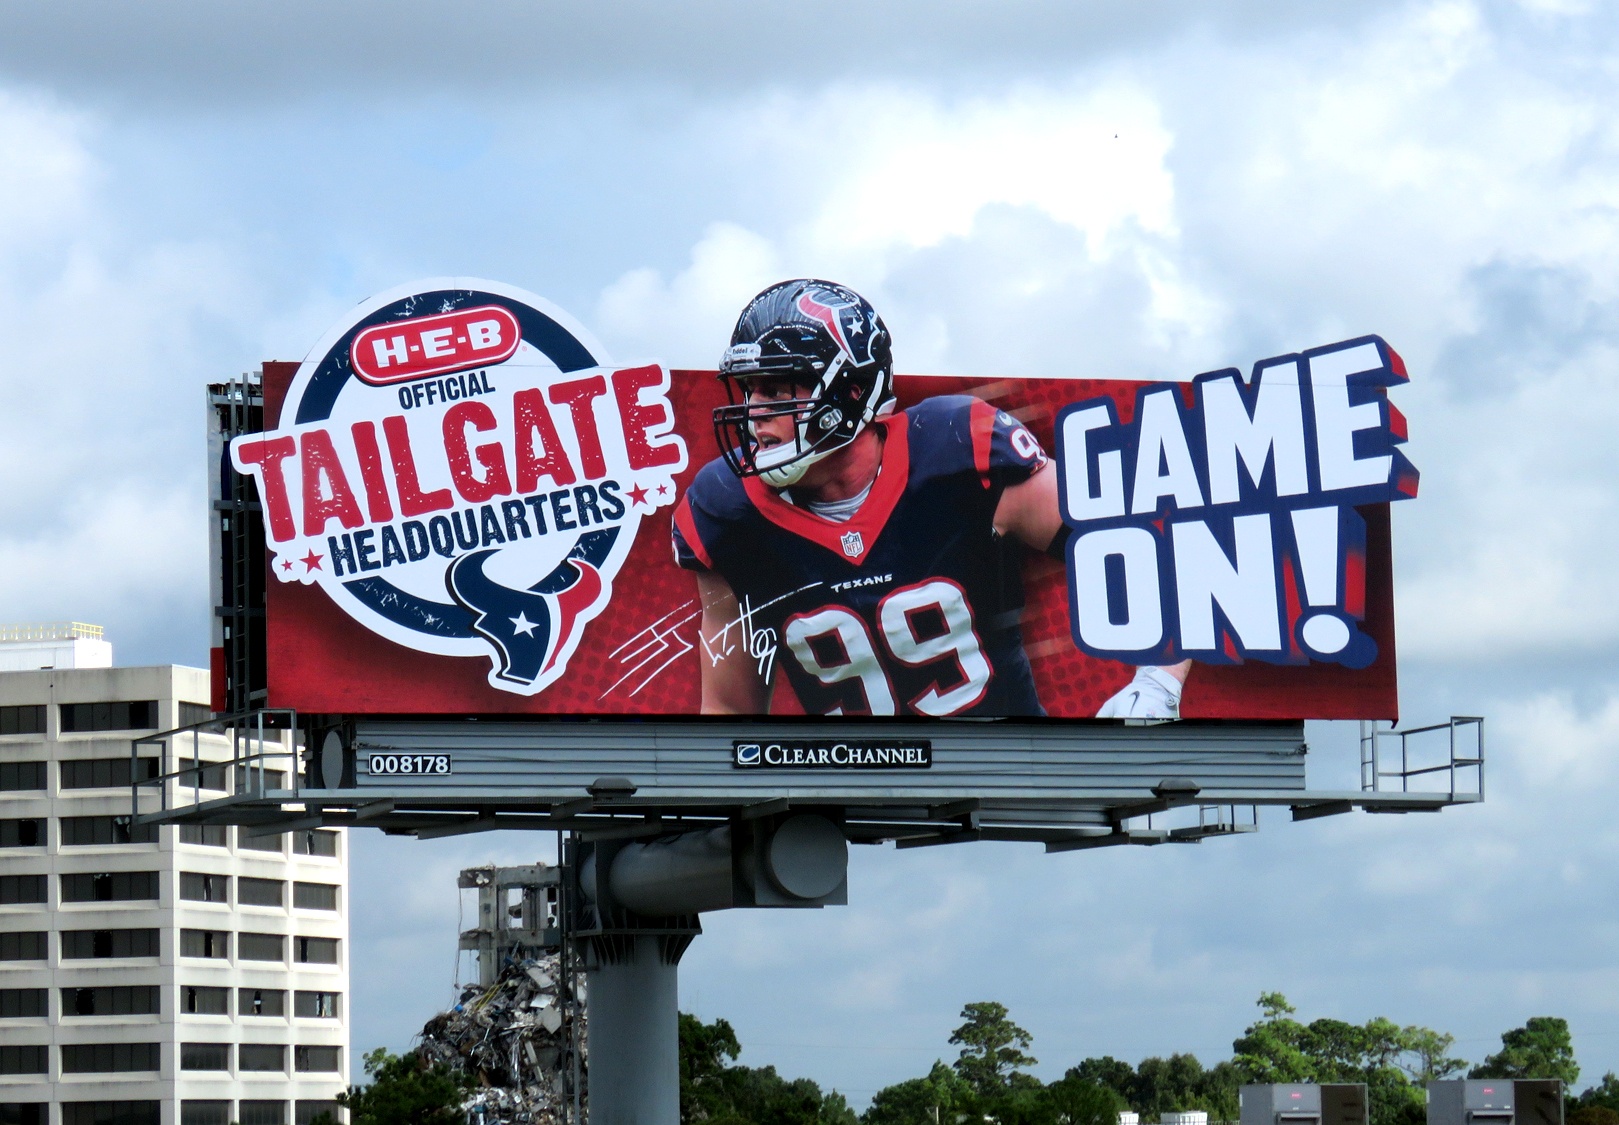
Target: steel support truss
[267,792]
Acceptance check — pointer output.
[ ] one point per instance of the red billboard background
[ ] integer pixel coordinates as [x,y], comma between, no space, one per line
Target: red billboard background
[320,660]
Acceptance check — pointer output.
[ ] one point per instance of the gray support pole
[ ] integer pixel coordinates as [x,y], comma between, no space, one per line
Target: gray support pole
[634,1037]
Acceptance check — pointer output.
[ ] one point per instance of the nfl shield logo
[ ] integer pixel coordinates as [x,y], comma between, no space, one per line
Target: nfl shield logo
[853,545]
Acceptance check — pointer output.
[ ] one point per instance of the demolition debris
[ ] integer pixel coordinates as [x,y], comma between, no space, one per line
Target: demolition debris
[519,1033]
[514,1039]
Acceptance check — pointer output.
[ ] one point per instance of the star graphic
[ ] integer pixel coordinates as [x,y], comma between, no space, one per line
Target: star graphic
[856,326]
[637,495]
[521,624]
[663,490]
[311,561]
[286,564]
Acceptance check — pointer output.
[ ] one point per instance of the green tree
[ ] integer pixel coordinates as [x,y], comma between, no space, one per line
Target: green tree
[760,1096]
[714,1092]
[405,1090]
[1541,1048]
[1220,1092]
[1109,1072]
[991,1048]
[1168,1085]
[705,1050]
[1428,1055]
[1593,1115]
[1272,1049]
[1604,1093]
[1072,1100]
[1394,1062]
[937,1099]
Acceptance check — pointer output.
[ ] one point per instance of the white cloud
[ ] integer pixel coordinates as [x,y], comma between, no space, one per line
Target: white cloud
[686,322]
[47,173]
[903,171]
[101,467]
[1205,199]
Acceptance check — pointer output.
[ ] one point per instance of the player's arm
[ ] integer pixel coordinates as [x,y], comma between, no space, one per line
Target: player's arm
[1029,510]
[731,681]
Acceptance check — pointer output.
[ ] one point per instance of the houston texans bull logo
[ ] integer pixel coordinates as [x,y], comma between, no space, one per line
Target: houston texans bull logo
[460,468]
[847,324]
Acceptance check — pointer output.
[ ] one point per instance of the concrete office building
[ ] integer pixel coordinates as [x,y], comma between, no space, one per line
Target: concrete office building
[152,975]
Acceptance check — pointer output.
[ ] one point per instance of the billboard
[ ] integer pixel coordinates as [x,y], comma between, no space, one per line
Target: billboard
[470,509]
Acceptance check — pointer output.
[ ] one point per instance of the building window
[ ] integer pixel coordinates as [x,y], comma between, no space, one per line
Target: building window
[262,1113]
[29,1059]
[112,1113]
[202,1000]
[315,950]
[261,1056]
[315,1005]
[205,835]
[105,773]
[200,886]
[205,943]
[112,886]
[261,947]
[205,1113]
[270,843]
[23,945]
[204,1056]
[260,892]
[16,889]
[108,943]
[210,775]
[305,1112]
[15,776]
[29,718]
[77,718]
[25,1113]
[193,713]
[108,1058]
[22,833]
[22,1003]
[315,841]
[261,1002]
[111,1000]
[86,831]
[314,896]
[317,1060]
[252,778]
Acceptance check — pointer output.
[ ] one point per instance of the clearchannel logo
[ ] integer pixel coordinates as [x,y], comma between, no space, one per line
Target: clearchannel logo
[834,754]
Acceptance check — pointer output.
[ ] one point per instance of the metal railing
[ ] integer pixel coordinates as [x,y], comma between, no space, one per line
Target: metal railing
[1417,746]
[257,738]
[52,631]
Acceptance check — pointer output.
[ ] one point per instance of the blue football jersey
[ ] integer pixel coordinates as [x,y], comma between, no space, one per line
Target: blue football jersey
[912,607]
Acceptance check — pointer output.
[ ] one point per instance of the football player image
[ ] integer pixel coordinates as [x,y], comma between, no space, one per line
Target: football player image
[870,554]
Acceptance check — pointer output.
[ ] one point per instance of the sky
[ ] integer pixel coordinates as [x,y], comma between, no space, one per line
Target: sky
[1022,188]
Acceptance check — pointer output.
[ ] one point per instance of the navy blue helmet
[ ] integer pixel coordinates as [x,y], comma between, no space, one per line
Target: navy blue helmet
[826,343]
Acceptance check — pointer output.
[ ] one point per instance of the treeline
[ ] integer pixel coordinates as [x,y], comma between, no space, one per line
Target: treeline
[988,1082]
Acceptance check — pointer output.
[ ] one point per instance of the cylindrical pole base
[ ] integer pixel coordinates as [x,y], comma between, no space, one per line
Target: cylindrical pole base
[635,1039]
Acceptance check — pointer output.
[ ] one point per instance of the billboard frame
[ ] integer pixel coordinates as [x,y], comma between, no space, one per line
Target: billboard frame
[618,781]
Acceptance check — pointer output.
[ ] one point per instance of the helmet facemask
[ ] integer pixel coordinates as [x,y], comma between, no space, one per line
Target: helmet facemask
[825,420]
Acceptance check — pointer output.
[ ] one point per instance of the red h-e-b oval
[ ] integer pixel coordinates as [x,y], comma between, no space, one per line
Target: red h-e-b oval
[402,350]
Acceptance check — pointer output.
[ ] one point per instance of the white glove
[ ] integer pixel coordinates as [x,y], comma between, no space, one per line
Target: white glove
[1153,694]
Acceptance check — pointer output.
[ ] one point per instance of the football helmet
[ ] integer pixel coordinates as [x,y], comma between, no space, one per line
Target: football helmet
[828,343]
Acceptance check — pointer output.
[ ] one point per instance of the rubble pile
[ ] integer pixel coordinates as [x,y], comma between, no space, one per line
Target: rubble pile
[512,1038]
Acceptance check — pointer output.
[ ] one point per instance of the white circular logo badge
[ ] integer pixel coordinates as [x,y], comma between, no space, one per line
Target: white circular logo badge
[463,471]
